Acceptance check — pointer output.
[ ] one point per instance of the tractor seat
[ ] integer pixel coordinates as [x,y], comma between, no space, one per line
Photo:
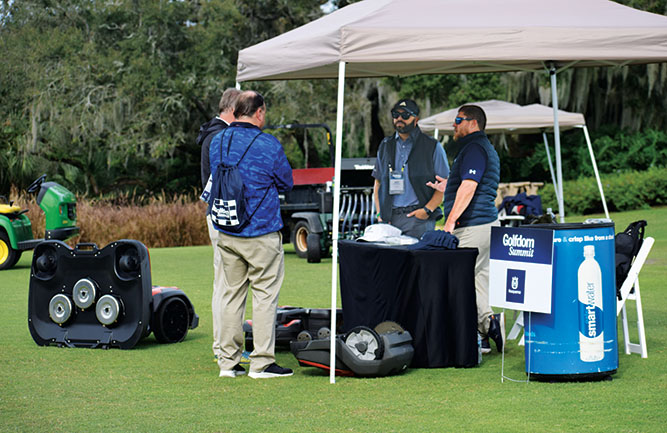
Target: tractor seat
[11,211]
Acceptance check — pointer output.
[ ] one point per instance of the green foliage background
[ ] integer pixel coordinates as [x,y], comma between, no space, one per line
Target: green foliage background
[107,96]
[623,191]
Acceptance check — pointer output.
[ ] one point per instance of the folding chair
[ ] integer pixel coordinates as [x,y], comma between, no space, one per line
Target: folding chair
[627,293]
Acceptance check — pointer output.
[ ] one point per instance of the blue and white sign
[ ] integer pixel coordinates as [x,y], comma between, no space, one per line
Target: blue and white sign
[520,270]
[516,286]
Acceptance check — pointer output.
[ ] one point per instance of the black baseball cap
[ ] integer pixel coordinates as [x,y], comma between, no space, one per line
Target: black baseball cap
[408,105]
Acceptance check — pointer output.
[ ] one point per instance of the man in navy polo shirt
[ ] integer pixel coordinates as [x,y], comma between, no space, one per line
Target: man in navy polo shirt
[406,161]
[470,209]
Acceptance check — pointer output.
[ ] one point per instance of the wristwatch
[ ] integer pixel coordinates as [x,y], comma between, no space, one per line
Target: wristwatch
[428,211]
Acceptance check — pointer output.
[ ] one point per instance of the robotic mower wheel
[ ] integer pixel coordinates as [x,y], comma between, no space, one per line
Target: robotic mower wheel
[364,343]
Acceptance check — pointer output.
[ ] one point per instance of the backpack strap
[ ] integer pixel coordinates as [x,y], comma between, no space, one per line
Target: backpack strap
[636,230]
[241,159]
[267,189]
[260,202]
[627,245]
[222,138]
[247,149]
[229,145]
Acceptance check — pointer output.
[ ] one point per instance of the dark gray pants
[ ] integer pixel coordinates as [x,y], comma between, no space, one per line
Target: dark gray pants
[410,226]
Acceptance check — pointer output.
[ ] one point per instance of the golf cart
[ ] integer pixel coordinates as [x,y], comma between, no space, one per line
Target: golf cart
[59,206]
[307,210]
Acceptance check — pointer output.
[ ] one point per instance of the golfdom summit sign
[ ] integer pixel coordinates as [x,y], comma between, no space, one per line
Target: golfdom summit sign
[520,269]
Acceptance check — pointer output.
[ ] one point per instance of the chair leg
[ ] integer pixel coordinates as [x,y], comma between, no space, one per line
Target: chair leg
[626,334]
[643,351]
[640,347]
[516,329]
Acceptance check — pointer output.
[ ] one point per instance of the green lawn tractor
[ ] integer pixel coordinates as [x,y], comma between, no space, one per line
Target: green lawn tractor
[59,206]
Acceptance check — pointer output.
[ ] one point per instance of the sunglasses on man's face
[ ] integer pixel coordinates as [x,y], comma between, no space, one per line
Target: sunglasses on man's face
[403,114]
[458,120]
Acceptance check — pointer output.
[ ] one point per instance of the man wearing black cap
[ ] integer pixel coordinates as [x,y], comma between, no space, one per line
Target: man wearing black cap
[406,161]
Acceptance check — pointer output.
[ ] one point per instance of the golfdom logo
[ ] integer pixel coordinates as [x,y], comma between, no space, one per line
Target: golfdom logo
[518,245]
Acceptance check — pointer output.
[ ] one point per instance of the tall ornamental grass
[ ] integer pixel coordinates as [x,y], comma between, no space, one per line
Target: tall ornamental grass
[162,221]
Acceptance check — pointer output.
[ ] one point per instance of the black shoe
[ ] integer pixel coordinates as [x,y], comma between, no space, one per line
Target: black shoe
[486,347]
[273,370]
[497,330]
[236,371]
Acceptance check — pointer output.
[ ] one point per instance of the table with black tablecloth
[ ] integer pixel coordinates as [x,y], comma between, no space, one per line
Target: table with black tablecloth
[430,293]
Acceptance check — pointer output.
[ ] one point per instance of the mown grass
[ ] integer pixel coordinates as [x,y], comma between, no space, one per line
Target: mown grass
[175,388]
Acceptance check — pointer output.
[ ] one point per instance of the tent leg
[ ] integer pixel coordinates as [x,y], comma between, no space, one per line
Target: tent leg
[597,173]
[559,165]
[336,219]
[551,166]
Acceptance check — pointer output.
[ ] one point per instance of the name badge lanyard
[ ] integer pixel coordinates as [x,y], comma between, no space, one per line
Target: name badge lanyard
[397,180]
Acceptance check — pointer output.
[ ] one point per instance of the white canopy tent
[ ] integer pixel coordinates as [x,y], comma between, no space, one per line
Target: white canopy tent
[505,117]
[394,37]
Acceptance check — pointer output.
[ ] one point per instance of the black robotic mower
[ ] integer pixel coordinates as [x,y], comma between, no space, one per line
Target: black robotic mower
[91,297]
[362,351]
[296,323]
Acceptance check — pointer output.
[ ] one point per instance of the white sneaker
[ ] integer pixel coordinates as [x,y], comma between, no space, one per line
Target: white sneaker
[236,371]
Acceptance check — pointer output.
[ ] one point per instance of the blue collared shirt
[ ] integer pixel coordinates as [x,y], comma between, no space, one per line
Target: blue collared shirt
[264,167]
[403,148]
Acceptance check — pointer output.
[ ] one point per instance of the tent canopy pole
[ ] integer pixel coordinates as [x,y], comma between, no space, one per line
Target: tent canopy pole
[551,166]
[336,219]
[559,165]
[597,173]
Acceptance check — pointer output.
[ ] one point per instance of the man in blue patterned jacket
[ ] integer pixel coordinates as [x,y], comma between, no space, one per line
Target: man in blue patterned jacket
[253,256]
[470,209]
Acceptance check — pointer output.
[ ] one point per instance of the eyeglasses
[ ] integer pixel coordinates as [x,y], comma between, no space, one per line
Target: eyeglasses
[458,120]
[403,114]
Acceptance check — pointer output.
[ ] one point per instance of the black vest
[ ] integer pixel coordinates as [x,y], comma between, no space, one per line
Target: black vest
[482,208]
[420,170]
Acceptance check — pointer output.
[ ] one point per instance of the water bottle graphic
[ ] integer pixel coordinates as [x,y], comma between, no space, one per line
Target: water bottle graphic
[591,338]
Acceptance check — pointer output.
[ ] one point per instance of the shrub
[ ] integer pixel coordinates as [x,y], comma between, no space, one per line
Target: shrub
[623,191]
[615,150]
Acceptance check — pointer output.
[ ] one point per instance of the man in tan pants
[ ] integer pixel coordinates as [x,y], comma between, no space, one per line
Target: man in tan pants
[259,260]
[251,252]
[470,211]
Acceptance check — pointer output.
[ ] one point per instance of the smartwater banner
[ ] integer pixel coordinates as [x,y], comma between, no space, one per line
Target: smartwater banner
[520,272]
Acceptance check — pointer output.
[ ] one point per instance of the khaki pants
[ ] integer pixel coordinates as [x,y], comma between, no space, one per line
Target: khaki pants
[216,301]
[479,237]
[259,262]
